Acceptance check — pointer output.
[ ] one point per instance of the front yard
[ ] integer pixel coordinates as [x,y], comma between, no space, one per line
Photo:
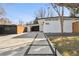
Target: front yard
[68,46]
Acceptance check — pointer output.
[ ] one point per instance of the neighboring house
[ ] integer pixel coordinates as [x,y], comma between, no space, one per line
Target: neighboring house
[6,27]
[52,24]
[5,21]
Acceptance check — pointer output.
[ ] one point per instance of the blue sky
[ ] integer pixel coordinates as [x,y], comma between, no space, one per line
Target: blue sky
[25,12]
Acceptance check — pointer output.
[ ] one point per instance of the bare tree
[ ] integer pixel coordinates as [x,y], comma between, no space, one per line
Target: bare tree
[36,21]
[73,11]
[73,8]
[49,11]
[41,13]
[60,14]
[2,11]
[21,22]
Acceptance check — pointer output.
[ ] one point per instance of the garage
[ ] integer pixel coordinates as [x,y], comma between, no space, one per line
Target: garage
[35,28]
[1,29]
[8,29]
[12,29]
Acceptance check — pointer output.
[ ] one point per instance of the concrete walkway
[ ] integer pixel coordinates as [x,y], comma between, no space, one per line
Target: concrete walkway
[38,46]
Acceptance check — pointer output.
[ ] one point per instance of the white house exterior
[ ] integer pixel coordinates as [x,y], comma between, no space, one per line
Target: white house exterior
[52,25]
[28,29]
[55,27]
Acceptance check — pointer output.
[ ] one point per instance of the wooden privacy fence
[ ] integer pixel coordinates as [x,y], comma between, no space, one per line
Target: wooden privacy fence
[75,27]
[20,29]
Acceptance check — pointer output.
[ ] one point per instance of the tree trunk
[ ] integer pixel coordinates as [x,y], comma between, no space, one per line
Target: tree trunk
[61,20]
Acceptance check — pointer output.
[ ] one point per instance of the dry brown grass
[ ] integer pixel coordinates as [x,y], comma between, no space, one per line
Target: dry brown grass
[68,46]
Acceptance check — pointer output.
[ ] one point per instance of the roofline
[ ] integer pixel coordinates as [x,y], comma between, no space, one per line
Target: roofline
[56,17]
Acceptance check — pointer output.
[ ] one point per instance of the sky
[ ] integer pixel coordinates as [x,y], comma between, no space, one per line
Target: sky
[25,12]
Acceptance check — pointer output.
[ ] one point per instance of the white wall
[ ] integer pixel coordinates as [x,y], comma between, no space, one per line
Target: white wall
[52,27]
[67,26]
[55,27]
[28,29]
[41,27]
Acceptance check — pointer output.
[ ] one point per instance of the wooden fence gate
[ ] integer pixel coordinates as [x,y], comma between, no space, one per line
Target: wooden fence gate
[75,27]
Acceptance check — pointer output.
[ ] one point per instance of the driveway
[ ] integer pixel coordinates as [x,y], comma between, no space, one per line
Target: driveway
[27,44]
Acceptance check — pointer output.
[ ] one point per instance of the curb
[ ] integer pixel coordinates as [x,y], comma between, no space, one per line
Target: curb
[52,45]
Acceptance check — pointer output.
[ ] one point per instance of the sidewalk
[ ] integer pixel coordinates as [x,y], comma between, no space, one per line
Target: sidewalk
[39,47]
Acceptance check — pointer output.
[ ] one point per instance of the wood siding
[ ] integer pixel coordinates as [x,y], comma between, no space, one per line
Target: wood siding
[75,27]
[20,29]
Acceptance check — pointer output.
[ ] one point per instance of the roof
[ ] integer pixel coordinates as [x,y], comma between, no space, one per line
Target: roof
[49,18]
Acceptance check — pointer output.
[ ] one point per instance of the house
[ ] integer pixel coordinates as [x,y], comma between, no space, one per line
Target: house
[12,29]
[5,21]
[6,27]
[52,25]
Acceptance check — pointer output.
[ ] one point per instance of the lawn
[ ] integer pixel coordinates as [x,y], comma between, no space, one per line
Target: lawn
[68,46]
